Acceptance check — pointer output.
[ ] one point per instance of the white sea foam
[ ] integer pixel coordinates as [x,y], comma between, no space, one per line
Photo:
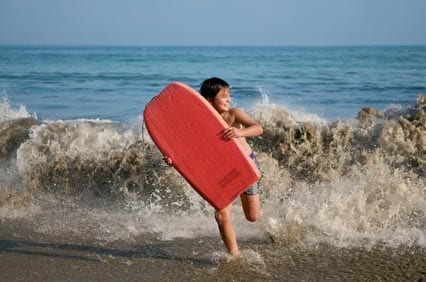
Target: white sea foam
[8,113]
[265,108]
[350,184]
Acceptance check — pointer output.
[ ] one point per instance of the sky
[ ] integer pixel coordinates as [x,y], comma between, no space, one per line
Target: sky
[213,22]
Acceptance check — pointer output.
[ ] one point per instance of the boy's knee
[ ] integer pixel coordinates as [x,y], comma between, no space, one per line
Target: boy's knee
[251,207]
[252,217]
[222,217]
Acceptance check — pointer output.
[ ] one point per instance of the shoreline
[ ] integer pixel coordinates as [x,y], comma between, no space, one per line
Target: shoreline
[28,256]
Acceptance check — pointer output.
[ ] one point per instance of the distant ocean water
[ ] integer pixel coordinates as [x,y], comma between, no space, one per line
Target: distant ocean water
[76,161]
[116,82]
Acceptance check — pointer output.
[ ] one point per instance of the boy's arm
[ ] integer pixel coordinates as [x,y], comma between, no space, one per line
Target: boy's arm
[251,127]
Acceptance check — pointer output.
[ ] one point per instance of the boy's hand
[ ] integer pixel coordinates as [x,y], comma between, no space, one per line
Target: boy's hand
[231,132]
[168,160]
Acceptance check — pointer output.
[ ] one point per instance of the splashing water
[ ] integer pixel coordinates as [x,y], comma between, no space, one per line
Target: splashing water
[350,183]
[7,113]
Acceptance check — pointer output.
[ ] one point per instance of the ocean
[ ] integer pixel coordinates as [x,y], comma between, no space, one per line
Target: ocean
[343,155]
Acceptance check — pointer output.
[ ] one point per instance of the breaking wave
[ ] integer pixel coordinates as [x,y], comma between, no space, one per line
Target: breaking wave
[354,182]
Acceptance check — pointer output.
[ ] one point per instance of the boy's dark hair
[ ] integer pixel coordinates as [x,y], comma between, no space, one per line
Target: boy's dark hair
[211,86]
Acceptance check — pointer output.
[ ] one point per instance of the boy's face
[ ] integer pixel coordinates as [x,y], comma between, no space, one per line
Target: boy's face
[222,101]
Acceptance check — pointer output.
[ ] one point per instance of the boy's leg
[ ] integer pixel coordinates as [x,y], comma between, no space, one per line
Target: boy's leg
[251,206]
[223,219]
[250,198]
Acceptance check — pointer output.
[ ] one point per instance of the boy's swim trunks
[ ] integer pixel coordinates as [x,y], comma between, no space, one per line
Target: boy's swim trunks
[255,188]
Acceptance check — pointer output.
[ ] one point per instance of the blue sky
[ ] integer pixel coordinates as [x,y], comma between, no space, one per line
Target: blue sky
[213,22]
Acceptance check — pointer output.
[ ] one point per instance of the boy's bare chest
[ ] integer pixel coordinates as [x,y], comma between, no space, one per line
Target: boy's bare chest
[230,120]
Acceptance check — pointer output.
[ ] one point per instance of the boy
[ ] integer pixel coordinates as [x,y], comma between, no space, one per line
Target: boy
[241,125]
[218,94]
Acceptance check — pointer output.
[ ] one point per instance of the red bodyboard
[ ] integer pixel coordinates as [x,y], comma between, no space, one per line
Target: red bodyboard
[186,128]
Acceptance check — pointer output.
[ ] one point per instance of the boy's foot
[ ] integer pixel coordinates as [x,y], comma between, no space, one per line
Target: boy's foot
[235,253]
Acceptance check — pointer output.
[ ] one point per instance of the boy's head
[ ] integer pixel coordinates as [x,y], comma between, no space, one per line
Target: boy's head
[210,87]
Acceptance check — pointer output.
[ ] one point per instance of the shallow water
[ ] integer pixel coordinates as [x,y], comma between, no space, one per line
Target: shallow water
[28,255]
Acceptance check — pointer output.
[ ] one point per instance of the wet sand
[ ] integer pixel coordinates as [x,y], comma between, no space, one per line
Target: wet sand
[29,256]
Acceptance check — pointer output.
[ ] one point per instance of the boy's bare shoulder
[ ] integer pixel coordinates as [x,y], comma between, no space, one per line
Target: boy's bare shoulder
[235,111]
